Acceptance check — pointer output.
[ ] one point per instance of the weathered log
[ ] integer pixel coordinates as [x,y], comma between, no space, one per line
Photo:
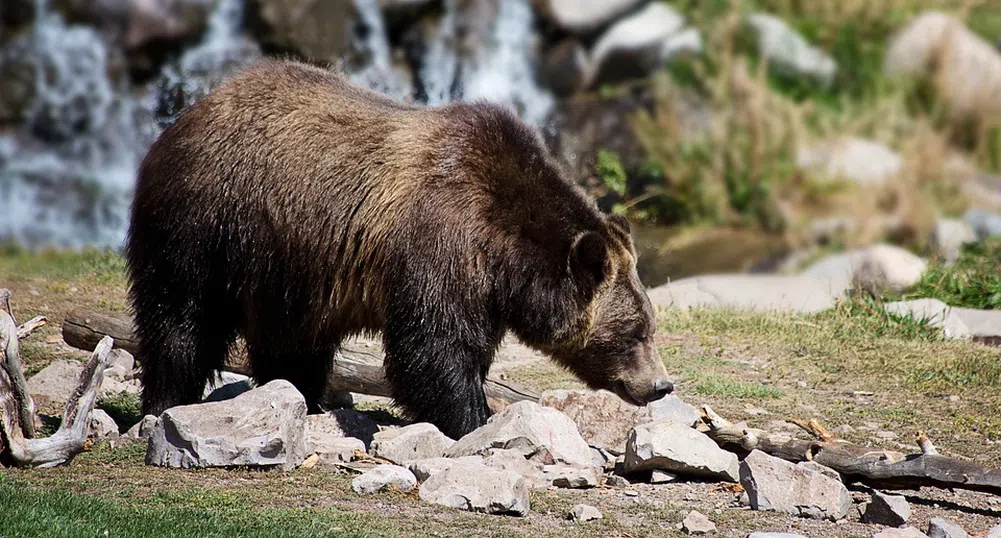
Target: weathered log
[71,437]
[83,329]
[357,367]
[874,467]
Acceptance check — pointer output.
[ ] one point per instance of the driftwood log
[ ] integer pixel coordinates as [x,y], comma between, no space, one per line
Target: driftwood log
[357,367]
[873,467]
[17,416]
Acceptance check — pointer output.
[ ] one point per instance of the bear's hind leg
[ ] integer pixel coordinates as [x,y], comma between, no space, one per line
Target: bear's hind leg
[307,369]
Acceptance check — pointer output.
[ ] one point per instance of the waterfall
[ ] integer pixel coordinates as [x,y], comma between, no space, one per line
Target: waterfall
[379,73]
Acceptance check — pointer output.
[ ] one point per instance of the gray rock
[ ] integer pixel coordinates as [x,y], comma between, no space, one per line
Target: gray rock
[537,432]
[315,29]
[949,236]
[477,489]
[583,16]
[789,52]
[638,44]
[332,449]
[616,481]
[384,477]
[662,477]
[142,429]
[120,365]
[584,512]
[565,476]
[226,385]
[413,442]
[984,223]
[995,532]
[933,312]
[875,268]
[344,423]
[671,408]
[264,427]
[859,161]
[774,535]
[426,468]
[112,387]
[673,447]
[697,524]
[889,510]
[759,293]
[940,527]
[981,325]
[566,67]
[53,385]
[906,532]
[513,460]
[775,484]
[102,425]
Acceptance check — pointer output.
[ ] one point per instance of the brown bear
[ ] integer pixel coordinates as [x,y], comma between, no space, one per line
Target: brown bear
[294,209]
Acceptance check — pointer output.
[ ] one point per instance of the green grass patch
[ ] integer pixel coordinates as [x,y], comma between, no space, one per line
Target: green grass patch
[124,407]
[104,266]
[973,281]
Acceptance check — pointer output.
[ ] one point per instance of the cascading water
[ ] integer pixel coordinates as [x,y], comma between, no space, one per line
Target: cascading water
[67,176]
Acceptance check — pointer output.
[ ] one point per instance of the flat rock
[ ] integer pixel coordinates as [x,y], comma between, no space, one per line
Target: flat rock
[995,532]
[697,524]
[426,468]
[775,484]
[584,512]
[264,427]
[477,489]
[412,442]
[676,448]
[565,476]
[102,425]
[875,268]
[906,532]
[889,510]
[582,16]
[758,293]
[513,460]
[537,432]
[672,408]
[332,449]
[789,52]
[384,477]
[940,527]
[344,423]
[774,535]
[51,387]
[933,312]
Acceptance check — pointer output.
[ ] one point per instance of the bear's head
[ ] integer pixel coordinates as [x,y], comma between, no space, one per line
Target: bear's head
[611,346]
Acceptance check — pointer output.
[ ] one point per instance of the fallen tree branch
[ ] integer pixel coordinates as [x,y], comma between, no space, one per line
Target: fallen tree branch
[16,443]
[874,467]
[357,367]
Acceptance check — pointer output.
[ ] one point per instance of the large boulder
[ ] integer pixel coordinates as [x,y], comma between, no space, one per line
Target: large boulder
[641,43]
[477,488]
[264,427]
[52,387]
[940,527]
[763,293]
[331,449]
[413,442]
[318,30]
[876,268]
[538,432]
[583,16]
[788,52]
[775,484]
[101,425]
[384,477]
[678,448]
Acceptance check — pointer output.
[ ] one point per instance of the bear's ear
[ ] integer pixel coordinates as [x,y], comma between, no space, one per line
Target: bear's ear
[589,255]
[619,224]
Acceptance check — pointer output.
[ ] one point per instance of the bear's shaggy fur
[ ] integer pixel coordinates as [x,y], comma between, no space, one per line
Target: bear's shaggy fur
[295,209]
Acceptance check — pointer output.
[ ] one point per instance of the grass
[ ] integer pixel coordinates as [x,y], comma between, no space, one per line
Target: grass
[973,281]
[124,407]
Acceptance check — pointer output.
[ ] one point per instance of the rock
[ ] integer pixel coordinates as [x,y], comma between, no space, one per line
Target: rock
[384,477]
[616,481]
[944,51]
[984,223]
[889,510]
[536,432]
[788,52]
[412,442]
[513,460]
[759,293]
[934,312]
[995,532]
[226,385]
[318,30]
[120,365]
[697,524]
[344,423]
[862,162]
[673,447]
[775,484]
[111,388]
[477,488]
[662,477]
[332,449]
[565,68]
[981,325]
[53,385]
[102,425]
[940,527]
[637,45]
[565,476]
[879,267]
[949,236]
[906,532]
[602,418]
[142,429]
[583,16]
[426,468]
[584,512]
[264,427]
[671,408]
[774,535]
